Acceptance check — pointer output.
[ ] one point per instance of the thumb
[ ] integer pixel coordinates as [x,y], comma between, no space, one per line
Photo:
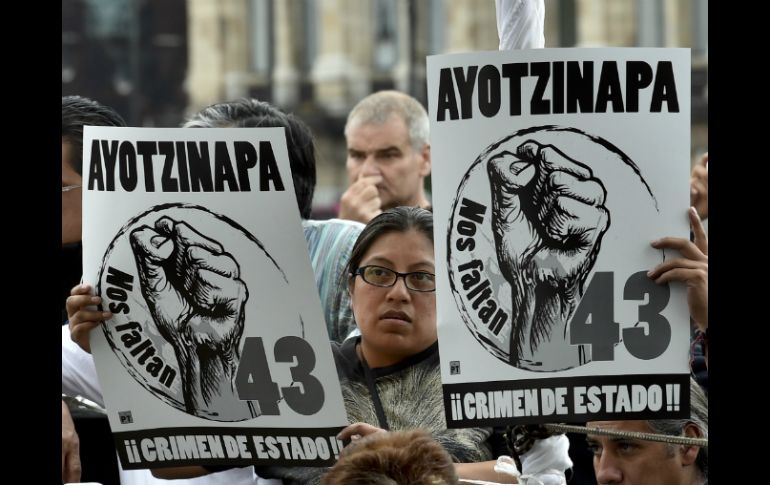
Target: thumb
[507,175]
[508,172]
[151,250]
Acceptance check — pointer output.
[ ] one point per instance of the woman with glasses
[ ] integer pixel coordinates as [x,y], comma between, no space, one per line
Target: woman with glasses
[390,374]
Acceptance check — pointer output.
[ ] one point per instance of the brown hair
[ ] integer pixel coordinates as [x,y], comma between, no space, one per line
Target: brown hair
[393,458]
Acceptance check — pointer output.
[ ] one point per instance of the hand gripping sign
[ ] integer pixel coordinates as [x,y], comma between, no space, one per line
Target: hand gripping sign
[558,168]
[217,351]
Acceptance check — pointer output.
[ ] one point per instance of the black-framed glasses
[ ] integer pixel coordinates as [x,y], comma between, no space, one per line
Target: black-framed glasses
[385,278]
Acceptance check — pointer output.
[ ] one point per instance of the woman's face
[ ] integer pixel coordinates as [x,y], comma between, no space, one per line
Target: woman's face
[395,322]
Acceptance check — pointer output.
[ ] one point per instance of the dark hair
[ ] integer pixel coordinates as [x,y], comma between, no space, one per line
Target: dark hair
[397,219]
[76,112]
[394,458]
[249,113]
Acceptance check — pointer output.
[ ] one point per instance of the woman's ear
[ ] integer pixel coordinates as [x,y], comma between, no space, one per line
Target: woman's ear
[351,284]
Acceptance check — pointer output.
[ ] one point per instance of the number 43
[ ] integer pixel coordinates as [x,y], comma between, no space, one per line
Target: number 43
[253,381]
[594,320]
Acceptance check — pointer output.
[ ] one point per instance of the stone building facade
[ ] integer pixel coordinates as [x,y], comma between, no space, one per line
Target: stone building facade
[317,58]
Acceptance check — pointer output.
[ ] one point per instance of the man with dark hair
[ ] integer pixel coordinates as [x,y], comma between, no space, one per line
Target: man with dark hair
[84,430]
[76,112]
[251,113]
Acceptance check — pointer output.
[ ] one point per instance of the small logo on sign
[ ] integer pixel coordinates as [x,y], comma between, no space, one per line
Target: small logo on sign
[454,367]
[125,417]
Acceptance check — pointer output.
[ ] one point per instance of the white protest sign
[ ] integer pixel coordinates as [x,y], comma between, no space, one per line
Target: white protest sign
[217,352]
[554,170]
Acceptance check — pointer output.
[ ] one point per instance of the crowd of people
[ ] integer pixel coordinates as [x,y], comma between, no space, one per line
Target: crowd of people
[389,272]
[374,268]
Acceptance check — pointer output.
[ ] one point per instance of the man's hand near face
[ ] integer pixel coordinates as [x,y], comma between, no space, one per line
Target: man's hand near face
[361,202]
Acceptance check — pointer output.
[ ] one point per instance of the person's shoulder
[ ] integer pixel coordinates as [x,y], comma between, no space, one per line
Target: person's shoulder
[332,233]
[333,225]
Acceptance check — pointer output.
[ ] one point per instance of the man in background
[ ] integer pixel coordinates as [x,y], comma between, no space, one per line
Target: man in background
[388,144]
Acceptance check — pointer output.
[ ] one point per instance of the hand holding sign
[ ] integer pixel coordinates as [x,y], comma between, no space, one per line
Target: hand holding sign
[692,269]
[195,295]
[548,217]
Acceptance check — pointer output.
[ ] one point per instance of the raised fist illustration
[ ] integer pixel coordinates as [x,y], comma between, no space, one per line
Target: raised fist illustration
[548,218]
[195,295]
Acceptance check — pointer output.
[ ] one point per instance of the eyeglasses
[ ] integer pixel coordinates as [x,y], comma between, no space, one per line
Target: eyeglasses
[385,278]
[67,188]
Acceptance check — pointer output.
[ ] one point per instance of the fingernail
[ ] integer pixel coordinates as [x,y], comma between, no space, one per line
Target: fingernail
[655,243]
[649,273]
[95,299]
[106,315]
[694,211]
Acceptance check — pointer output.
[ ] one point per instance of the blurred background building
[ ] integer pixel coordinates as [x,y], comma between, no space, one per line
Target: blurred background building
[156,61]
